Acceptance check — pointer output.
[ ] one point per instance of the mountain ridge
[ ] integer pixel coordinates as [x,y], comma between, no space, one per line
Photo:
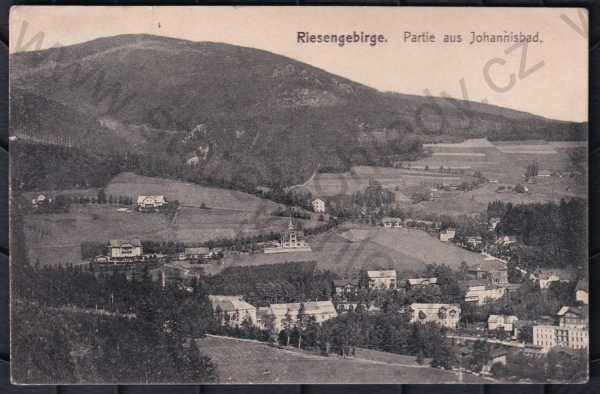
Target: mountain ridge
[221,106]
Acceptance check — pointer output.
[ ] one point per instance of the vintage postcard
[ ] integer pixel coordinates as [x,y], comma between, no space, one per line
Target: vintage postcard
[298,195]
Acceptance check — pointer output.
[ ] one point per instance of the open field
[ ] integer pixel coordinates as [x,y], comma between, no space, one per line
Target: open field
[243,361]
[398,180]
[418,245]
[189,194]
[355,247]
[56,238]
[504,162]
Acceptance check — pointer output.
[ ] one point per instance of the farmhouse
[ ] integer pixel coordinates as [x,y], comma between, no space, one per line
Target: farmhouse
[232,310]
[581,291]
[382,279]
[124,250]
[505,323]
[422,282]
[345,287]
[446,315]
[318,205]
[571,332]
[447,234]
[389,222]
[150,203]
[292,240]
[283,314]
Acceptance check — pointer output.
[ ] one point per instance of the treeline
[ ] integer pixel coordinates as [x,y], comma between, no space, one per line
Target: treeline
[559,365]
[130,330]
[269,284]
[554,234]
[373,196]
[64,167]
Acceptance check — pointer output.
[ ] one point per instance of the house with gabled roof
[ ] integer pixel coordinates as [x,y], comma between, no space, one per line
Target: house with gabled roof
[125,250]
[232,310]
[150,203]
[283,313]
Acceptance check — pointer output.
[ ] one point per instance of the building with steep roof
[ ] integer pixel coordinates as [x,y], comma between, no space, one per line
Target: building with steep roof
[232,310]
[150,203]
[503,322]
[284,313]
[125,250]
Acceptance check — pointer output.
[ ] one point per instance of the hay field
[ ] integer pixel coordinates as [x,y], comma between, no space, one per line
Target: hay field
[130,184]
[56,238]
[243,361]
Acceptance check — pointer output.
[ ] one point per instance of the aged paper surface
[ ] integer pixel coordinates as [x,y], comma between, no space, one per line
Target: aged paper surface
[298,195]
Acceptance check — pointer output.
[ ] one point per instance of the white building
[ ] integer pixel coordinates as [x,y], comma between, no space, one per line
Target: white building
[572,331]
[447,234]
[150,203]
[479,292]
[581,291]
[422,281]
[389,222]
[280,313]
[382,279]
[318,205]
[504,322]
[446,315]
[125,250]
[232,310]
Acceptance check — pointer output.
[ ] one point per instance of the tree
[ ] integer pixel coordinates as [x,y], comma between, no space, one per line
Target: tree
[101,196]
[532,170]
[300,326]
[288,325]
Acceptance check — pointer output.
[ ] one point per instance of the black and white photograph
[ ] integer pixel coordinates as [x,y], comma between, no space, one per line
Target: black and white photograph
[298,195]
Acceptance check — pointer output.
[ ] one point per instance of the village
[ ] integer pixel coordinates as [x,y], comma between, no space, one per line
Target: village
[481,287]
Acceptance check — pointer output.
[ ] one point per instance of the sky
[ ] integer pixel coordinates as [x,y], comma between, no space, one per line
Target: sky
[549,78]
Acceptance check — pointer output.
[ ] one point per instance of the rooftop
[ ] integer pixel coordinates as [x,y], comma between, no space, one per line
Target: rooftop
[117,243]
[382,274]
[229,303]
